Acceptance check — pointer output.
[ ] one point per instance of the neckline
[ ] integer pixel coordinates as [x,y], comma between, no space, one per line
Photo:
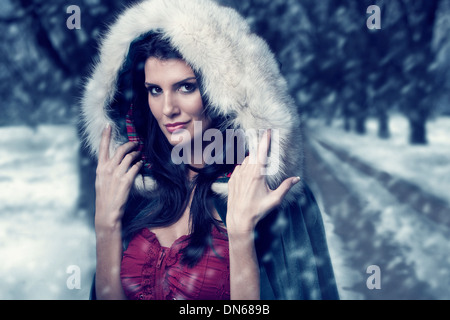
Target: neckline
[194,168]
[152,236]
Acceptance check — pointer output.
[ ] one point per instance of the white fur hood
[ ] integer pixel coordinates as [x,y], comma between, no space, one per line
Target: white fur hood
[240,76]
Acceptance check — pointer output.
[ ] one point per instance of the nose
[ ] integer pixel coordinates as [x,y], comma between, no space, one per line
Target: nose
[170,107]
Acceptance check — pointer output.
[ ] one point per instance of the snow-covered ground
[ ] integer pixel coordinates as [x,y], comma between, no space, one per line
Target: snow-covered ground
[422,243]
[45,245]
[427,166]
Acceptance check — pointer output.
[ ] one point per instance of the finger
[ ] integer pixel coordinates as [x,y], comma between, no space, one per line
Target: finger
[122,151]
[128,161]
[134,170]
[103,152]
[235,170]
[251,166]
[279,193]
[263,147]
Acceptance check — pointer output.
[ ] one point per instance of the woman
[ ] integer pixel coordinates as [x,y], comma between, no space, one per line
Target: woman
[204,227]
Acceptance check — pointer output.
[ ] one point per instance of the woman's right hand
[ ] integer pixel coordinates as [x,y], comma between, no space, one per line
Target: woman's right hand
[114,178]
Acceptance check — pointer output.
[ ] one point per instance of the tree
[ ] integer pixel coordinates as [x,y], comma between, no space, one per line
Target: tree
[420,86]
[335,65]
[43,64]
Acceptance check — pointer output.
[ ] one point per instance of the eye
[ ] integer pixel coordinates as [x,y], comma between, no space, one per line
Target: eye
[188,87]
[154,90]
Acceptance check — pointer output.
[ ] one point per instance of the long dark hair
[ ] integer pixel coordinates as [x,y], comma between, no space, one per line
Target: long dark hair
[166,205]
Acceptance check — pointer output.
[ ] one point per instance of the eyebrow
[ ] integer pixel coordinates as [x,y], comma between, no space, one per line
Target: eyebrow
[175,84]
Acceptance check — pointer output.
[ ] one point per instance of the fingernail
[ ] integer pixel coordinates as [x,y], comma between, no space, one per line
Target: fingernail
[107,125]
[295,180]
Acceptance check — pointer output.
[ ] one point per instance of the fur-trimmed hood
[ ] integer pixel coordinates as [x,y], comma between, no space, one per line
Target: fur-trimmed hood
[240,77]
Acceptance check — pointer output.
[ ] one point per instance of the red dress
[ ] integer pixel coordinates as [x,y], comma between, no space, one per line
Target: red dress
[151,271]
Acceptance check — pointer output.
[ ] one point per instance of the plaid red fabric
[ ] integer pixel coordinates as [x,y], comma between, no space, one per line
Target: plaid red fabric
[133,136]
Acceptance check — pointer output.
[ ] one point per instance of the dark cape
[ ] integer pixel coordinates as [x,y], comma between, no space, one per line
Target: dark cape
[292,252]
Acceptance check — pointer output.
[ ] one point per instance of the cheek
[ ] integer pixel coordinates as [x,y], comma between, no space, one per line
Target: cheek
[194,107]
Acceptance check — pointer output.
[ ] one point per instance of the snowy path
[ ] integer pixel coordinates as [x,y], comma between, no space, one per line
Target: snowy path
[41,235]
[427,204]
[368,225]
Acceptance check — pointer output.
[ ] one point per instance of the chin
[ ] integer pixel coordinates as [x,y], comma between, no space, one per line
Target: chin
[179,138]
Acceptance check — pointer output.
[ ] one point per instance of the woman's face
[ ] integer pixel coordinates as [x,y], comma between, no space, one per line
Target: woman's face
[174,99]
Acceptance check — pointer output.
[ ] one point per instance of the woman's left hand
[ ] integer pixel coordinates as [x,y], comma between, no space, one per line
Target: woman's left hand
[249,197]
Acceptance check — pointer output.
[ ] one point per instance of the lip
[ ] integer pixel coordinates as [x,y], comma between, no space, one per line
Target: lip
[171,127]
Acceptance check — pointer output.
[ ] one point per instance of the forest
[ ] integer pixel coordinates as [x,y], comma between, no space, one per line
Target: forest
[336,67]
[342,74]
